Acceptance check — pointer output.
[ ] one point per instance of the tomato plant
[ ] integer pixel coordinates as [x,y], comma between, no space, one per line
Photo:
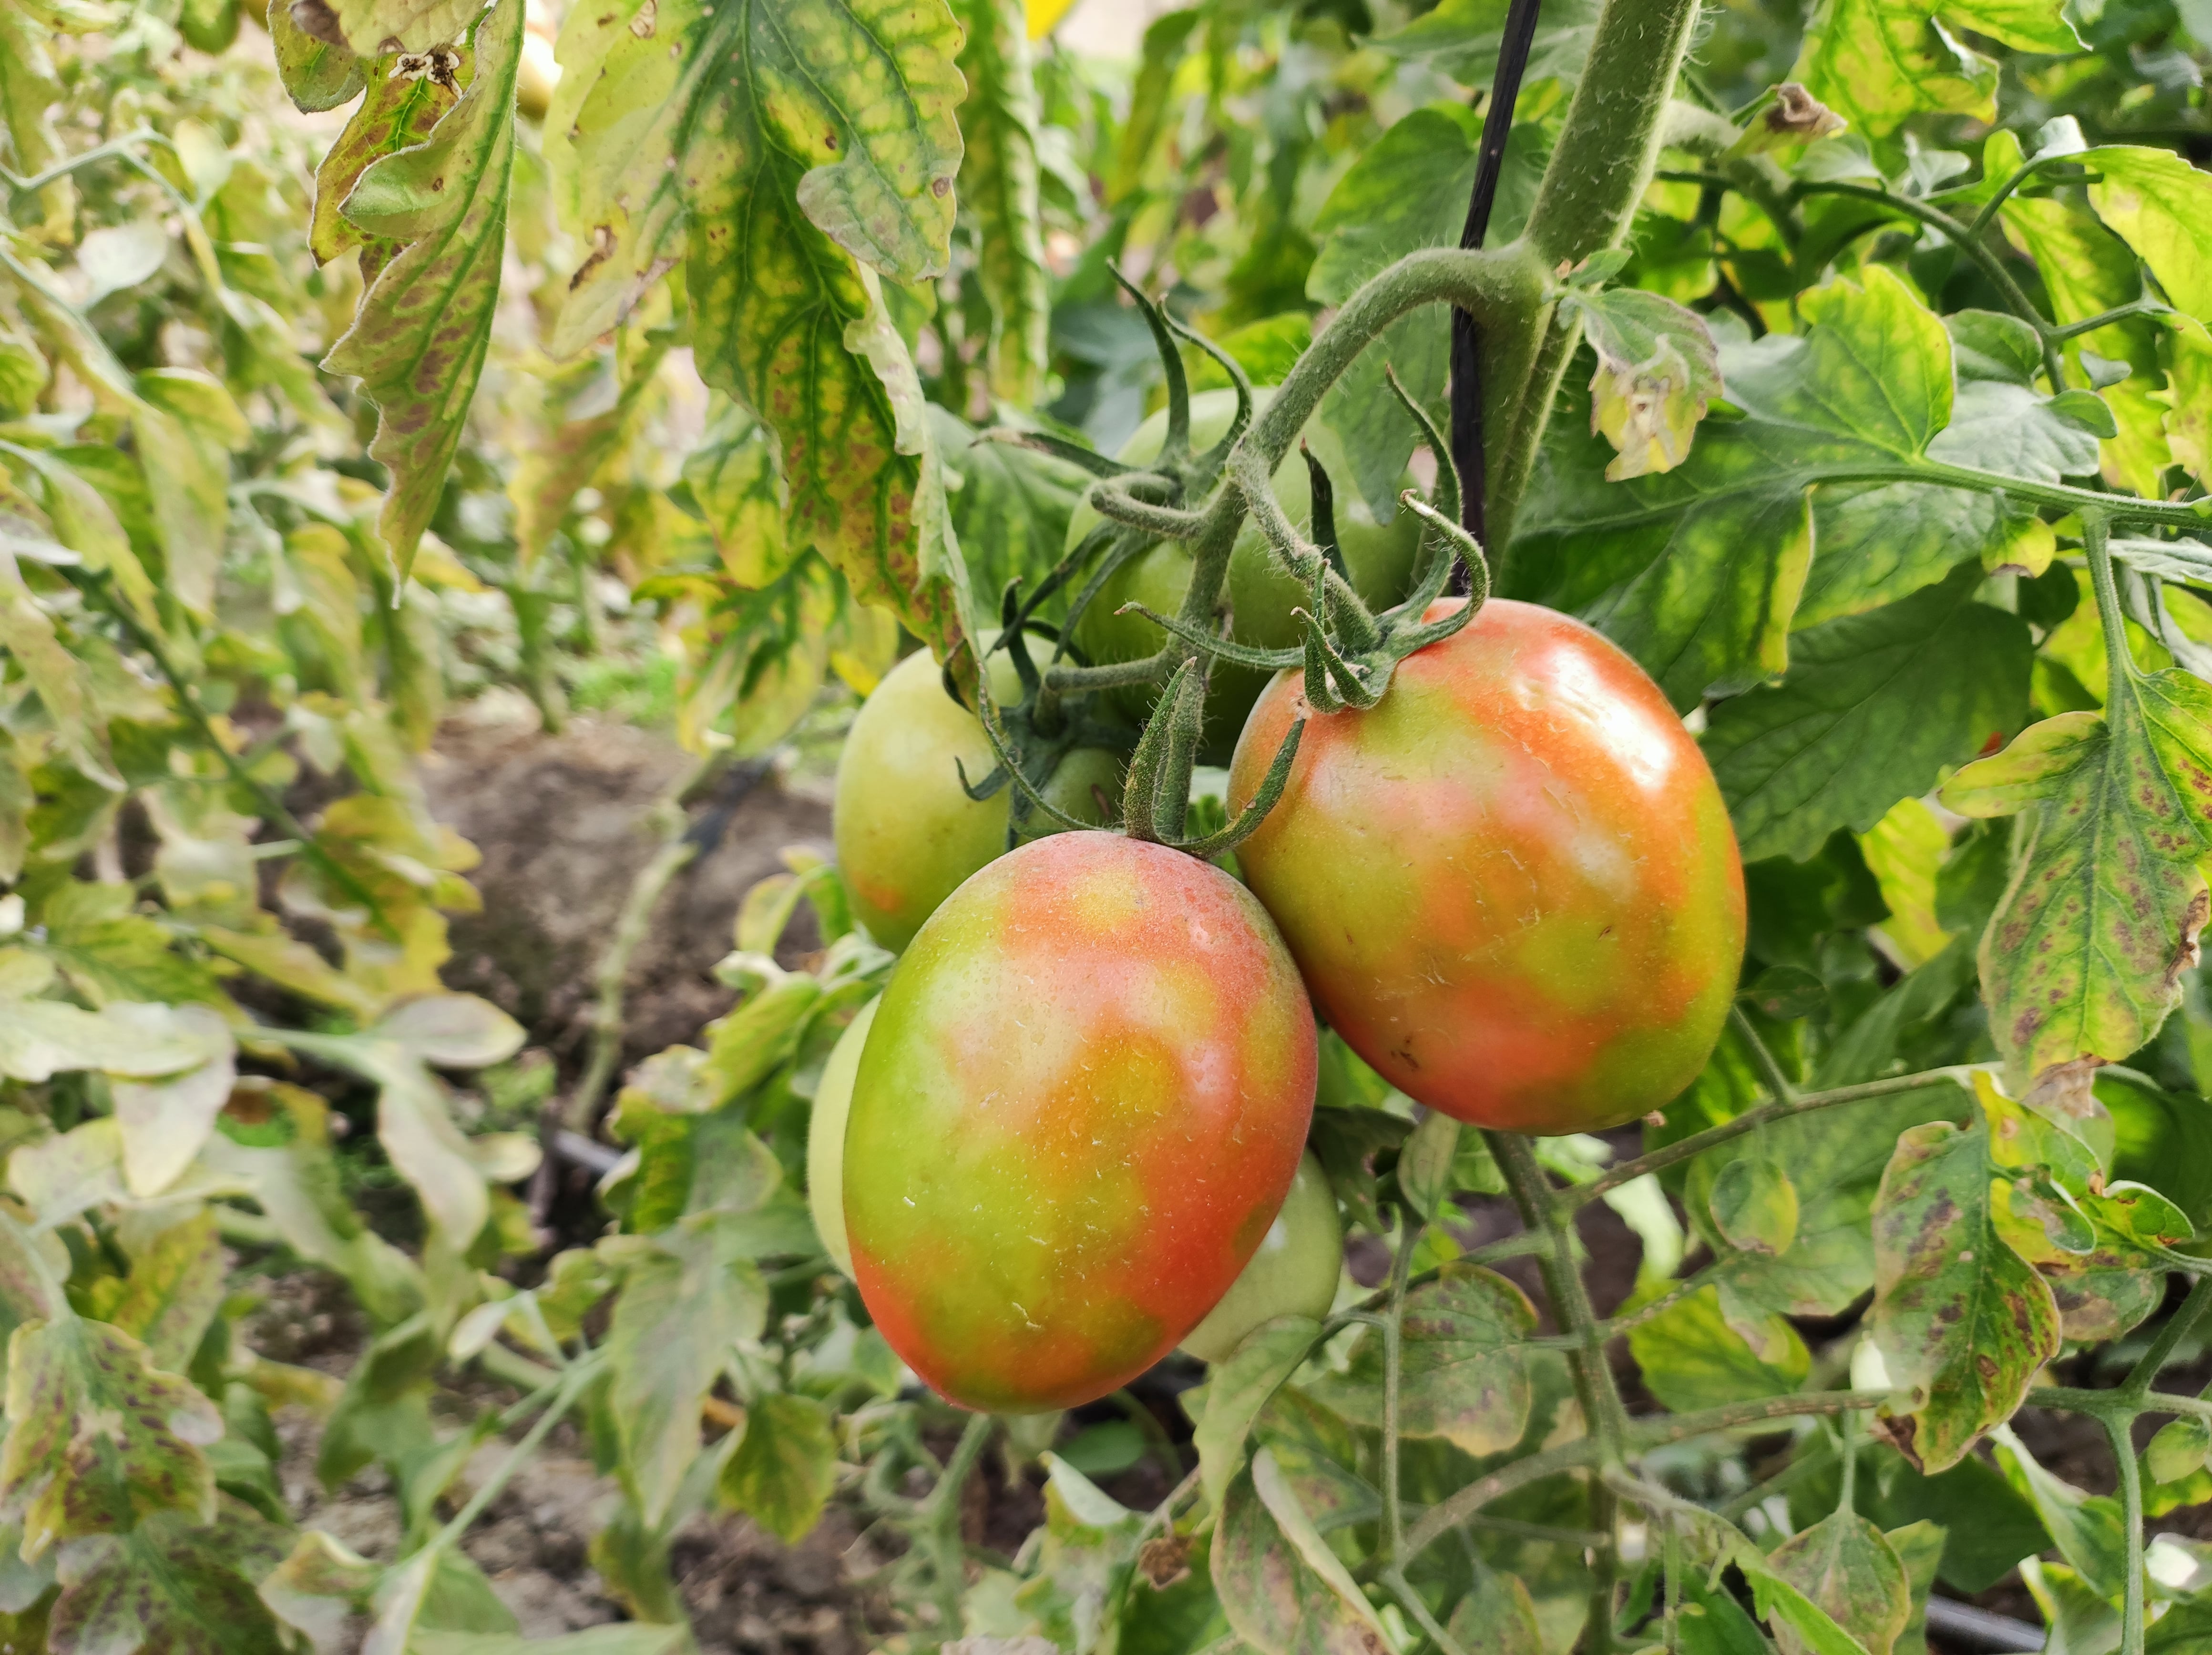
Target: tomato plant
[1842,367]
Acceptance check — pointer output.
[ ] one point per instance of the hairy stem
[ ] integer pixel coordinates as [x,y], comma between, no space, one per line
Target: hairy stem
[937,1522]
[2131,1525]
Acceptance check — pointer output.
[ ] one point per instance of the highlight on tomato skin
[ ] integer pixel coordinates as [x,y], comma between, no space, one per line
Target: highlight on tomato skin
[1081,1103]
[1511,885]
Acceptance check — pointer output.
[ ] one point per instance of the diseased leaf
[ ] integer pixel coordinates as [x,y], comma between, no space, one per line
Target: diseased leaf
[371,28]
[1284,1590]
[1657,370]
[1755,1206]
[1875,706]
[173,1291]
[317,75]
[400,111]
[2090,1532]
[677,130]
[1875,62]
[685,1297]
[98,1441]
[998,180]
[417,343]
[1962,1322]
[2160,206]
[1846,1566]
[2084,954]
[1497,1617]
[172,1587]
[1463,1368]
[785,1467]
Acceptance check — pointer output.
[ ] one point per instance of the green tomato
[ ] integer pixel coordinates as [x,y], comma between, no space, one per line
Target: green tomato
[1294,1273]
[1262,598]
[825,1136]
[907,832]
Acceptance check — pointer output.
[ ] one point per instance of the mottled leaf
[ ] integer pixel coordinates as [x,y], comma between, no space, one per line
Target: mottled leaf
[1755,1205]
[2162,206]
[400,111]
[1875,62]
[372,28]
[1463,1368]
[1239,1388]
[998,181]
[1284,1590]
[417,343]
[171,1588]
[2084,954]
[173,1291]
[97,1440]
[1846,1566]
[1692,1358]
[1962,1322]
[1657,371]
[317,75]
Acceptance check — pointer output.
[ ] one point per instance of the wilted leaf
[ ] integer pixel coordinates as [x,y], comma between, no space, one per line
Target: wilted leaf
[1657,370]
[400,111]
[317,75]
[374,28]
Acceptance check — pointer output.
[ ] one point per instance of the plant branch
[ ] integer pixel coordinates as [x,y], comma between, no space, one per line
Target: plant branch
[1698,1142]
[936,1521]
[1394,1317]
[2131,1525]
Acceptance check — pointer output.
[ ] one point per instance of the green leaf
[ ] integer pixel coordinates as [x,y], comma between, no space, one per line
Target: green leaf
[1284,1591]
[785,1467]
[2090,1532]
[1010,508]
[1789,1610]
[98,1440]
[417,343]
[1846,1566]
[452,1031]
[1697,572]
[1657,370]
[1460,39]
[1962,1323]
[2084,954]
[1919,1547]
[1875,707]
[438,1588]
[172,1587]
[1692,1358]
[592,1640]
[1755,1206]
[317,75]
[400,111]
[2160,206]
[2180,1449]
[375,29]
[687,1295]
[1463,1365]
[1240,1388]
[998,181]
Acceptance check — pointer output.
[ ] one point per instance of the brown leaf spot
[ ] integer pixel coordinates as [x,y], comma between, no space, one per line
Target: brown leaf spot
[2064,1088]
[2192,922]
[1164,1560]
[1900,1432]
[641,24]
[315,19]
[940,187]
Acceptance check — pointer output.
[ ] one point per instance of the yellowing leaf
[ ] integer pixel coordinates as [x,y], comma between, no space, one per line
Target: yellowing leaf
[418,342]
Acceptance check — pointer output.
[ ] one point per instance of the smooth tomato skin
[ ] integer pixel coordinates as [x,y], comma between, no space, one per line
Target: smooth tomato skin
[825,1136]
[1511,885]
[1263,599]
[1294,1273]
[1079,1111]
[906,831]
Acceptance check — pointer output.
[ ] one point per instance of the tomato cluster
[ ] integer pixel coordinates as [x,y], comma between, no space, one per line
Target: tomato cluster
[1070,1135]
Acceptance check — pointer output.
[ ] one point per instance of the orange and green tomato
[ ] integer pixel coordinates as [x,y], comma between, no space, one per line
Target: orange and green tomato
[1294,1273]
[1262,598]
[1511,885]
[1079,1111]
[907,832]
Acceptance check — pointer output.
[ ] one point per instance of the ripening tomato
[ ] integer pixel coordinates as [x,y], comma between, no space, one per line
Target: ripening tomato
[1511,885]
[1262,598]
[907,832]
[1293,1274]
[825,1136]
[1078,1112]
